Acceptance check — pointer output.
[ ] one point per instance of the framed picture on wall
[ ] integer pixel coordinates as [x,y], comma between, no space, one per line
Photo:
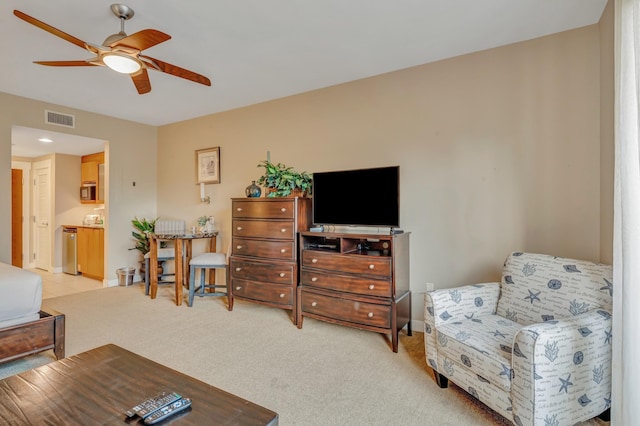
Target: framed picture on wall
[208,165]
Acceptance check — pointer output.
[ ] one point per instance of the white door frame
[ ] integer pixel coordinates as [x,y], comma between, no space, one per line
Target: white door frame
[42,256]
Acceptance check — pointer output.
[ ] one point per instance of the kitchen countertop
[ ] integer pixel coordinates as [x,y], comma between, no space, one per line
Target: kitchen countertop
[84,226]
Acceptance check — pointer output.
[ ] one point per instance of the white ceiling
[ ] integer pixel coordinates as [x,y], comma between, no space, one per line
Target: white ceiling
[25,143]
[257,50]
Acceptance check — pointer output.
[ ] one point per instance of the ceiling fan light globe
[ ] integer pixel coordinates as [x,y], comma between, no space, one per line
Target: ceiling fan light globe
[121,63]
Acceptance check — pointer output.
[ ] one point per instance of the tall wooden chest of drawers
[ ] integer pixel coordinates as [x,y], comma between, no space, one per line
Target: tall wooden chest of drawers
[357,280]
[264,251]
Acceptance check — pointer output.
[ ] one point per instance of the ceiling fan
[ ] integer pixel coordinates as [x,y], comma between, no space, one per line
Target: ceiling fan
[120,52]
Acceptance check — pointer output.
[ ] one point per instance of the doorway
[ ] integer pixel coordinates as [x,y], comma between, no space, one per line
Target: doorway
[47,160]
[17,183]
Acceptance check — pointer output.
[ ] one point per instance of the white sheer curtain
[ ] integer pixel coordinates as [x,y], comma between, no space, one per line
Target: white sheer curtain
[626,251]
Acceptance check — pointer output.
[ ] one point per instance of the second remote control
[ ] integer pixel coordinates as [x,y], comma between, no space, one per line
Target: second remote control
[169,410]
[152,404]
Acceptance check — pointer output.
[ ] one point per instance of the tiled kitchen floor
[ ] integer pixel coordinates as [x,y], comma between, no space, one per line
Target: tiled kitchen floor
[54,285]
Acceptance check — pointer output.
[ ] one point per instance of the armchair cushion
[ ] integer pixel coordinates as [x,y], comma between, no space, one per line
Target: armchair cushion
[483,344]
[538,287]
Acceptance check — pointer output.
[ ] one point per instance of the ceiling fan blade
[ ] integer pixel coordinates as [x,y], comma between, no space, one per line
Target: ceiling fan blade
[177,71]
[142,39]
[141,80]
[80,63]
[49,28]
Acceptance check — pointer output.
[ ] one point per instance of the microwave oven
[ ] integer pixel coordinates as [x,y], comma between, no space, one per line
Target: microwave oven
[88,193]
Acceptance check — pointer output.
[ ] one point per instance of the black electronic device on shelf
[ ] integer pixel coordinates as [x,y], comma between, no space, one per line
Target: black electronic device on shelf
[362,197]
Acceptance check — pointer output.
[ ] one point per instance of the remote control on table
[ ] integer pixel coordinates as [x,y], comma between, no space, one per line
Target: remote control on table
[153,404]
[167,411]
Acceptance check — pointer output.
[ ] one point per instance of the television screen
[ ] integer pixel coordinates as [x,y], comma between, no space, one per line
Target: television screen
[365,197]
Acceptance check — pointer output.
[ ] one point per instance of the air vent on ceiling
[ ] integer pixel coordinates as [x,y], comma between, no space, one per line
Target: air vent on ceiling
[59,119]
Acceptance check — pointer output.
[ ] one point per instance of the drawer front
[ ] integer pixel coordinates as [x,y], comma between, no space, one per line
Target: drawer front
[346,310]
[265,292]
[284,230]
[355,264]
[280,250]
[350,284]
[276,209]
[274,272]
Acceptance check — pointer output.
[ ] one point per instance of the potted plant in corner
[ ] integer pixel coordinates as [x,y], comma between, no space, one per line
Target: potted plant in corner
[144,227]
[282,181]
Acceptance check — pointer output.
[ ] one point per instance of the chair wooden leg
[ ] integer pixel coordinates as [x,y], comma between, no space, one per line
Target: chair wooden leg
[441,380]
[227,277]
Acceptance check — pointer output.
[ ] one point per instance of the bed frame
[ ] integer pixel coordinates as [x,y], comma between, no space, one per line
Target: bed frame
[25,339]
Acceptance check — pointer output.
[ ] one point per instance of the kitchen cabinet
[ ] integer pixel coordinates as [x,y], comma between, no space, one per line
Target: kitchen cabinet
[91,252]
[93,171]
[90,172]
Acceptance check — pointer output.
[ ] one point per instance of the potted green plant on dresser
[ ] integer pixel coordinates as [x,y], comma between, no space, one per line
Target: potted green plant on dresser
[283,181]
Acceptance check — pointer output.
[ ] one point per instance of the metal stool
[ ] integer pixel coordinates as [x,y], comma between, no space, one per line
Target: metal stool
[207,262]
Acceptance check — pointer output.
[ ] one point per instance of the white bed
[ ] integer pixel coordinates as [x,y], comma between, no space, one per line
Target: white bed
[25,327]
[20,295]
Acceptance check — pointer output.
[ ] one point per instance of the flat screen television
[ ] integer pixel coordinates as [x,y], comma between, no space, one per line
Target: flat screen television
[363,197]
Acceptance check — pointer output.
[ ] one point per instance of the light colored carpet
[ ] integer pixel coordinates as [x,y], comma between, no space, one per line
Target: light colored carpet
[323,374]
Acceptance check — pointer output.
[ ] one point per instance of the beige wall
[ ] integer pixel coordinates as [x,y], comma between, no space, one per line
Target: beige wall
[498,151]
[607,143]
[131,157]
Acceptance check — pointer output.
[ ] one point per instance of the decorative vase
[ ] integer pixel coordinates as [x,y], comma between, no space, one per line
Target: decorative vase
[253,190]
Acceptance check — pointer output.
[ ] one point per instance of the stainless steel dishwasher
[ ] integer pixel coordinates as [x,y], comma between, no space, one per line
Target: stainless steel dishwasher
[70,250]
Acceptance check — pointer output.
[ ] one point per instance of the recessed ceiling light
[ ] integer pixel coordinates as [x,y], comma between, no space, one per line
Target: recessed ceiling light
[45,140]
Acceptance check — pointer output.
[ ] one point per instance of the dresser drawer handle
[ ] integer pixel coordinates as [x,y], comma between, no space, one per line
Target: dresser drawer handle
[370,314]
[238,269]
[238,288]
[283,209]
[239,228]
[314,279]
[239,247]
[371,286]
[281,295]
[282,274]
[283,250]
[314,304]
[314,260]
[283,230]
[372,266]
[239,209]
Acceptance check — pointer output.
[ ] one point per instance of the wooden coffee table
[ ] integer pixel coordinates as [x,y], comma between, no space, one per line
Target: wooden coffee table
[98,386]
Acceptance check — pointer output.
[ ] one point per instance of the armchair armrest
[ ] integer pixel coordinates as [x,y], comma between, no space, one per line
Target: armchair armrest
[447,305]
[562,369]
[442,306]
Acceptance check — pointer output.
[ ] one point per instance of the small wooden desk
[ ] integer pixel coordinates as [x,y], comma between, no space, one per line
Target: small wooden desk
[96,388]
[183,247]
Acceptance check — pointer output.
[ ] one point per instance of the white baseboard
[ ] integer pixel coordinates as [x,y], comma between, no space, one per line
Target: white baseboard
[57,270]
[417,325]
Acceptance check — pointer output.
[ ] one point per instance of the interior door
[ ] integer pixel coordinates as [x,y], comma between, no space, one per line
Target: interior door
[42,210]
[16,217]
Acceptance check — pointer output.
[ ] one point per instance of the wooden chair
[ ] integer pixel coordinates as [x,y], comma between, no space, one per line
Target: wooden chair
[163,254]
